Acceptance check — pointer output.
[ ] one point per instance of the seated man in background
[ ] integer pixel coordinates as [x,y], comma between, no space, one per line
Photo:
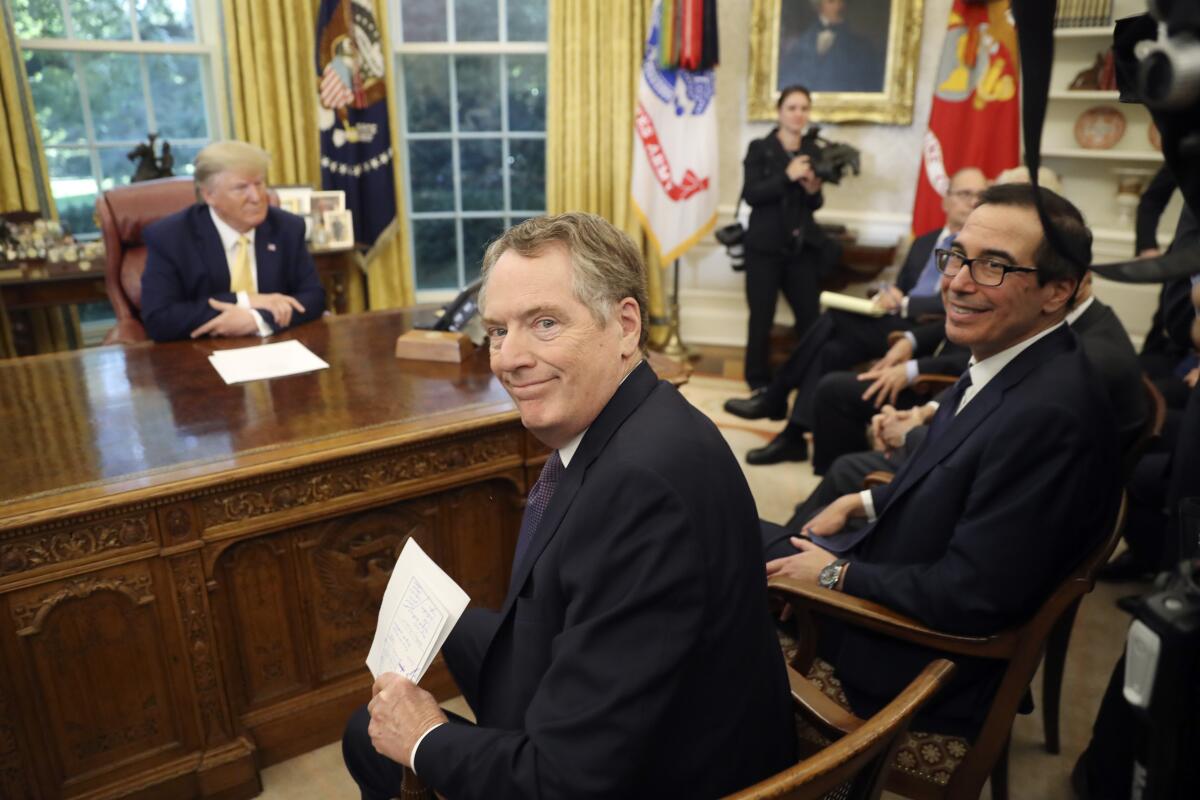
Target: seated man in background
[839,339]
[633,656]
[230,265]
[1017,478]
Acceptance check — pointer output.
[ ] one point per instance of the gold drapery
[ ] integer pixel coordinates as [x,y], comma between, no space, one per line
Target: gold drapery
[24,179]
[595,57]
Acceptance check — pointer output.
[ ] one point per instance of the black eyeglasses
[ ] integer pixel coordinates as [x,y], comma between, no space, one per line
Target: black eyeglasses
[965,194]
[984,271]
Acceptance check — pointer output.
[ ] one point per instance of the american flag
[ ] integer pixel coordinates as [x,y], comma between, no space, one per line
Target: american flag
[335,93]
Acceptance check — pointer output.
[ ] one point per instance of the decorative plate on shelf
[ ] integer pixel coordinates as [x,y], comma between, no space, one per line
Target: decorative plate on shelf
[1154,136]
[1099,128]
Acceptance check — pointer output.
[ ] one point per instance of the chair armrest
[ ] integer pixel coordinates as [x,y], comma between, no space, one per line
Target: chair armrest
[877,477]
[872,616]
[126,331]
[929,385]
[819,709]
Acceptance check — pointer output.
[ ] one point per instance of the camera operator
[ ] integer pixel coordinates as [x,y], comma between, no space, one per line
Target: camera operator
[785,247]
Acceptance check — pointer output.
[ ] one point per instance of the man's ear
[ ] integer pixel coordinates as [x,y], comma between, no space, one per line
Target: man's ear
[1059,291]
[629,315]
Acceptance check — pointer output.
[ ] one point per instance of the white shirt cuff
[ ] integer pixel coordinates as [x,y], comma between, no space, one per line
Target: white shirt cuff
[263,328]
[910,370]
[868,504]
[412,757]
[904,307]
[911,340]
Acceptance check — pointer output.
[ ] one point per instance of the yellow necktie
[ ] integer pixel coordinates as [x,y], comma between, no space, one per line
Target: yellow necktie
[240,279]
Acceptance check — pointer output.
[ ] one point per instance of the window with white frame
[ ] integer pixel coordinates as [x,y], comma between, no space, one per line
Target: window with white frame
[472,117]
[103,75]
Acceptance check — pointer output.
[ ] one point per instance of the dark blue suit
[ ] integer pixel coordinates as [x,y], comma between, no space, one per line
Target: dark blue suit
[634,655]
[186,265]
[982,523]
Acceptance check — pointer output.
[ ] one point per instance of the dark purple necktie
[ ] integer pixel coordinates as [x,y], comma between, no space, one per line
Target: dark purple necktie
[536,505]
[948,407]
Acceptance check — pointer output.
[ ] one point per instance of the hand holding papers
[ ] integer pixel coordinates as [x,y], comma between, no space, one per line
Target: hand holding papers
[420,607]
[263,361]
[855,305]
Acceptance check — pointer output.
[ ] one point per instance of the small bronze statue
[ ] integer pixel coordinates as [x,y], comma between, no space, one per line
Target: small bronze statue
[149,167]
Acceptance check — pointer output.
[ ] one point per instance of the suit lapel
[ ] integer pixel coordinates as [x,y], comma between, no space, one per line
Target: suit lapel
[212,254]
[970,419]
[266,256]
[628,397]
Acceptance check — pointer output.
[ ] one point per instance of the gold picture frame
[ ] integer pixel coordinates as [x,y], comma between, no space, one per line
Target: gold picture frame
[892,104]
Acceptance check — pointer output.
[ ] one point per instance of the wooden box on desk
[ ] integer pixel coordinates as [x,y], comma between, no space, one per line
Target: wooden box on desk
[448,346]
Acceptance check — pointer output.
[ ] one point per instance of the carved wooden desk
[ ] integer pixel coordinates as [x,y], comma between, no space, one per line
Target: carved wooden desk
[189,571]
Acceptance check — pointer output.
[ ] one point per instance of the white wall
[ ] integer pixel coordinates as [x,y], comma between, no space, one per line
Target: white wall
[877,205]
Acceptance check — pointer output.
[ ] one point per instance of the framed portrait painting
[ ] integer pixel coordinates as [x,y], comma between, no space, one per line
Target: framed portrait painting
[858,57]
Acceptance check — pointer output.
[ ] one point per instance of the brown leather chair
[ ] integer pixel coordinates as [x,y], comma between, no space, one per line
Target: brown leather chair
[1020,647]
[855,765]
[123,212]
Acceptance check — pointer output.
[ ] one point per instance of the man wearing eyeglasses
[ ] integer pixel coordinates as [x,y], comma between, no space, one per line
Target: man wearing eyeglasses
[838,340]
[1014,483]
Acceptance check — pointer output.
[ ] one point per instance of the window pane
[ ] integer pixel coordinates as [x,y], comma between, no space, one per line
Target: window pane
[476,21]
[482,180]
[177,91]
[73,188]
[435,248]
[38,19]
[431,173]
[478,92]
[527,173]
[477,235]
[527,20]
[116,168]
[527,93]
[114,88]
[427,92]
[424,21]
[55,96]
[166,20]
[184,158]
[100,19]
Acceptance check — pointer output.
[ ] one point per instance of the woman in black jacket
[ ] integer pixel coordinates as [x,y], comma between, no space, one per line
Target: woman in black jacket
[785,248]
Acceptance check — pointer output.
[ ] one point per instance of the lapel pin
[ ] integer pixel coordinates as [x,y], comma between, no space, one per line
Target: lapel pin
[270,247]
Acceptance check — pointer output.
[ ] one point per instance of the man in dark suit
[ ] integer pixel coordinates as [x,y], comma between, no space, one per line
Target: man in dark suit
[839,340]
[1016,480]
[843,409]
[230,265]
[633,655]
[829,56]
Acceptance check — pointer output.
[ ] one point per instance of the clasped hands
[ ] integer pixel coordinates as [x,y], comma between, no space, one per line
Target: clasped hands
[234,320]
[799,169]
[401,712]
[811,558]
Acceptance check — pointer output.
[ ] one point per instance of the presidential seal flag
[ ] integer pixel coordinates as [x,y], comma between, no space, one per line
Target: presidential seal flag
[674,181]
[356,141]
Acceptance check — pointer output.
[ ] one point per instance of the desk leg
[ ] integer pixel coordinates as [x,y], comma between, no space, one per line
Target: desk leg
[7,348]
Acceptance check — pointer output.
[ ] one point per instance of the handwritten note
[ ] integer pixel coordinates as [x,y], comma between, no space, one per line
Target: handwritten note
[420,607]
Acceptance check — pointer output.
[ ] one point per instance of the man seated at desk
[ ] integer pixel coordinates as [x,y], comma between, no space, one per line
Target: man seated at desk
[633,656]
[230,265]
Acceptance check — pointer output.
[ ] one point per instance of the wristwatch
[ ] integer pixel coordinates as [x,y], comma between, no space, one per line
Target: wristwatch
[831,574]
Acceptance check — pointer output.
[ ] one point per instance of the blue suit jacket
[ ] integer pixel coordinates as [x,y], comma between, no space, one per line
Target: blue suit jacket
[185,266]
[981,524]
[633,656]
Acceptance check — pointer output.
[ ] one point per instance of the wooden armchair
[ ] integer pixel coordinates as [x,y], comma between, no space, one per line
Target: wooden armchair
[124,212]
[856,764]
[1020,647]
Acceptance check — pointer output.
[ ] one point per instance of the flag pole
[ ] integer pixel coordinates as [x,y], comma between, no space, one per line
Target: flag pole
[675,348]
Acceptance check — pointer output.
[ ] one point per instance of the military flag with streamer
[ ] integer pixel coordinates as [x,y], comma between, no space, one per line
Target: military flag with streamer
[975,117]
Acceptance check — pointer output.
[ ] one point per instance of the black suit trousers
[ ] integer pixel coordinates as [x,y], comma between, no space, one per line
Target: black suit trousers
[766,275]
[840,417]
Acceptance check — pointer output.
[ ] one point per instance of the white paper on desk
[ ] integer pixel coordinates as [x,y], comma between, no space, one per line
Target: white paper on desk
[421,605]
[848,302]
[262,361]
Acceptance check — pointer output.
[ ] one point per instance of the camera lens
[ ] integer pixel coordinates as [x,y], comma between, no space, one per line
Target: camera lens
[1169,74]
[737,255]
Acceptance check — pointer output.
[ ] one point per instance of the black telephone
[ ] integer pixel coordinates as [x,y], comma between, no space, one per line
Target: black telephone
[458,312]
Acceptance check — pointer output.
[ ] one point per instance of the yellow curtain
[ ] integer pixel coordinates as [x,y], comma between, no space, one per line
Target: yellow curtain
[24,181]
[595,56]
[273,86]
[389,264]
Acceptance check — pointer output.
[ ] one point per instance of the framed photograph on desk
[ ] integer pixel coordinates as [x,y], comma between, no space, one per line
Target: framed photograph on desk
[333,230]
[858,57]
